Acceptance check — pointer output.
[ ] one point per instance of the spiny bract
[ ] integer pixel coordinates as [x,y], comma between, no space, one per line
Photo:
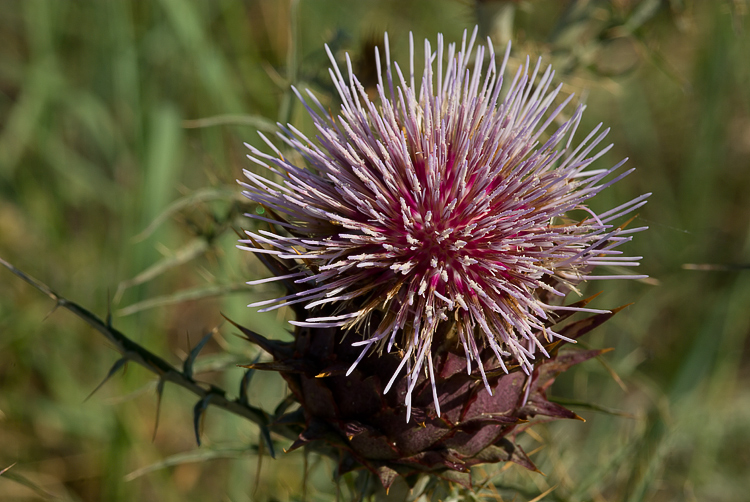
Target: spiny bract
[350,418]
[438,213]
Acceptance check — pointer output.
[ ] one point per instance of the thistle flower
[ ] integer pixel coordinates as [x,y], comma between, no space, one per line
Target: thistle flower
[439,215]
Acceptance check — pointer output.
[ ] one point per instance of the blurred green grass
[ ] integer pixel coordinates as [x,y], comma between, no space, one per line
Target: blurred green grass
[98,110]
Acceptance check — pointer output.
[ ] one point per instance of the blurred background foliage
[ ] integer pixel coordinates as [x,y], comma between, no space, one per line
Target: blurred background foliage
[121,131]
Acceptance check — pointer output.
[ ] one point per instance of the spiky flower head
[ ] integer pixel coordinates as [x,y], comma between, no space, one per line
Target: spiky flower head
[439,211]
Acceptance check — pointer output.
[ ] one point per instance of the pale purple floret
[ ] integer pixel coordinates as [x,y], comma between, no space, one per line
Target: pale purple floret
[439,204]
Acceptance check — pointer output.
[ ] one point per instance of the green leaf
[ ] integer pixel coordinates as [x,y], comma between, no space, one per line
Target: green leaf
[187,367]
[24,481]
[193,249]
[199,455]
[115,367]
[199,412]
[196,197]
[184,295]
[254,121]
[591,406]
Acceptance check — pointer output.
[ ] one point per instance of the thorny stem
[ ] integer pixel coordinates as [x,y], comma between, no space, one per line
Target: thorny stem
[131,351]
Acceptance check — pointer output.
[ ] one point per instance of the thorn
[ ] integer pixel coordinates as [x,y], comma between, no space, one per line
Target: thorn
[270,346]
[108,319]
[198,413]
[622,226]
[588,300]
[258,468]
[265,434]
[274,366]
[52,311]
[118,364]
[283,406]
[187,367]
[159,391]
[621,307]
[245,382]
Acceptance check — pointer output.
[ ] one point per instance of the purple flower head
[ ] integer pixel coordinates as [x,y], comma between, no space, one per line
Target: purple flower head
[441,207]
